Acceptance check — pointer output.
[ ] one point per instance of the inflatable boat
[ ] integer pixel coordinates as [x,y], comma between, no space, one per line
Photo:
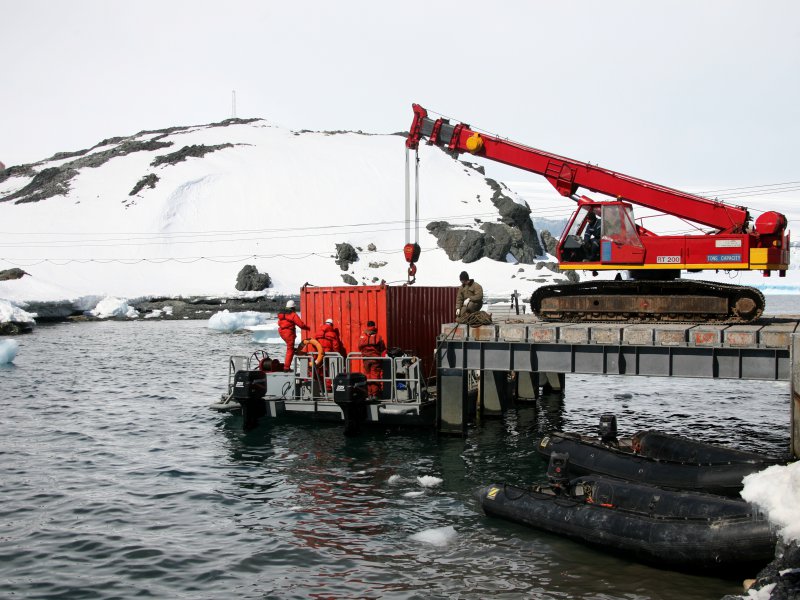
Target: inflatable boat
[688,531]
[657,458]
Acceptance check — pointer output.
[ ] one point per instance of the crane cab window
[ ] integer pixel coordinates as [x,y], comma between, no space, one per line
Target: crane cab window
[618,225]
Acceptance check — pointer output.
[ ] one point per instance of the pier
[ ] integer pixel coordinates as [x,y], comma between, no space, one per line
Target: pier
[545,352]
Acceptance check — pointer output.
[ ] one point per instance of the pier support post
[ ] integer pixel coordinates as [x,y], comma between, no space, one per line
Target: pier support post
[452,409]
[795,395]
[495,393]
[527,385]
[553,383]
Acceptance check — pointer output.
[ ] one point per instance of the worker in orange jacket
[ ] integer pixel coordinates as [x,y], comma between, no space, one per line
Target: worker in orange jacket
[328,336]
[370,343]
[287,321]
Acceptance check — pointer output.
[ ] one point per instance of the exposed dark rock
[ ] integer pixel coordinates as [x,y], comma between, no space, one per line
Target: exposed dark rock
[53,181]
[195,151]
[465,245]
[377,265]
[479,168]
[549,242]
[250,280]
[14,273]
[123,149]
[372,247]
[148,180]
[345,255]
[199,307]
[517,215]
[550,266]
[349,279]
[783,573]
[496,241]
[17,171]
[65,155]
[14,328]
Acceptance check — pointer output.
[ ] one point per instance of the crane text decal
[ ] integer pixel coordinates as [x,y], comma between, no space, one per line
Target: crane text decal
[668,259]
[728,243]
[724,258]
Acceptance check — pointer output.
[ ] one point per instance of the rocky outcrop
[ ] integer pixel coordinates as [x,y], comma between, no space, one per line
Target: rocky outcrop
[345,255]
[349,279]
[14,328]
[512,238]
[250,280]
[55,180]
[146,181]
[195,151]
[204,307]
[549,242]
[461,244]
[14,273]
[780,580]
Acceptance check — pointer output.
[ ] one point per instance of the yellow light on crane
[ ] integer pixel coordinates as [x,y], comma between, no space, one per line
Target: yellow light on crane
[474,143]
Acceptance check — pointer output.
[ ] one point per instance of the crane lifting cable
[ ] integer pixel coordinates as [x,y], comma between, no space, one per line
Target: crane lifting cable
[412,250]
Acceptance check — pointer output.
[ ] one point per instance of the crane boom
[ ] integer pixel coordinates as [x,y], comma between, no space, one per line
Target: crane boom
[567,175]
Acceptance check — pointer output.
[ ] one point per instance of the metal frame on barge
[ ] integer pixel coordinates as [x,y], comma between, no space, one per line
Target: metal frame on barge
[310,390]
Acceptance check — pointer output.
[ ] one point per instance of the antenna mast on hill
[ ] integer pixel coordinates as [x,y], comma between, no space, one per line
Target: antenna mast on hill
[233,104]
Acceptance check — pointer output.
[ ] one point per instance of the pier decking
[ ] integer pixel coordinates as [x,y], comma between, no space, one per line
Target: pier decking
[766,350]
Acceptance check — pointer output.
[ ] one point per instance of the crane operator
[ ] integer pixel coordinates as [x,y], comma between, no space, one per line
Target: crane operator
[591,236]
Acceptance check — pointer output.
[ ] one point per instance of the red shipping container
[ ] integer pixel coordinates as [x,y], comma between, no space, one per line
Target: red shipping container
[407,317]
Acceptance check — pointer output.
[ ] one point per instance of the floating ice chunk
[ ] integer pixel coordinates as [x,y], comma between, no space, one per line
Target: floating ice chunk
[429,481]
[395,479]
[229,322]
[441,536]
[413,494]
[8,350]
[113,307]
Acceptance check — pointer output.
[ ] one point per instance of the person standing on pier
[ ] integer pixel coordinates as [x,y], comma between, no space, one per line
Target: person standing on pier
[287,321]
[371,344]
[470,296]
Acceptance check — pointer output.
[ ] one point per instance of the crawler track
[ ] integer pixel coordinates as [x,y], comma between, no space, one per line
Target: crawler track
[675,301]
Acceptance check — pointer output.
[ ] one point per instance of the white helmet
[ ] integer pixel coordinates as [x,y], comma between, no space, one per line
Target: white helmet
[329,321]
[290,304]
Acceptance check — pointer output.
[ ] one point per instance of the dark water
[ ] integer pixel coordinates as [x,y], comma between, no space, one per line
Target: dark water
[118,482]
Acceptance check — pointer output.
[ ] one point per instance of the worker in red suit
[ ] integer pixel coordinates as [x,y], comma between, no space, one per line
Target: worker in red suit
[371,344]
[287,321]
[328,336]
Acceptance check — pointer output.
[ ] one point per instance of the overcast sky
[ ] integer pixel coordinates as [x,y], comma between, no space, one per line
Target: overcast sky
[684,93]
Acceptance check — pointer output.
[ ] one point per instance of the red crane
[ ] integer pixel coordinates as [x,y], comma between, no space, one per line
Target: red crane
[616,241]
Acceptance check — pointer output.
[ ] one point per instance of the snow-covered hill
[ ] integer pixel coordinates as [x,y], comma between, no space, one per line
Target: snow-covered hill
[179,212]
[228,195]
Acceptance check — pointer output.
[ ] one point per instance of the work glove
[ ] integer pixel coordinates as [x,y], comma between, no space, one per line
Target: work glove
[466,302]
[458,311]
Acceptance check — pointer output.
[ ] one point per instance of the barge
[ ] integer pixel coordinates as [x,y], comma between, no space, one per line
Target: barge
[333,390]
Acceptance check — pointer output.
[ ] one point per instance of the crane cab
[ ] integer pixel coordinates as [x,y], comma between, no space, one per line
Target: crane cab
[602,234]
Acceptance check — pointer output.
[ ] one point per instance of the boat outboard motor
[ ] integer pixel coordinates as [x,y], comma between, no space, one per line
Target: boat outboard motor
[249,389]
[557,470]
[350,394]
[608,428]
